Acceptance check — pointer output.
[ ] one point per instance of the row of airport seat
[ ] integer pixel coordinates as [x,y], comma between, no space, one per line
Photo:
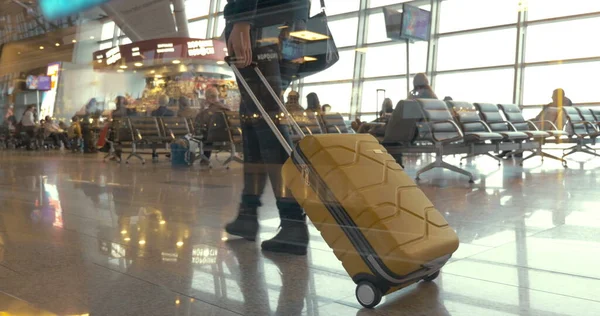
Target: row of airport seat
[450,128]
[223,132]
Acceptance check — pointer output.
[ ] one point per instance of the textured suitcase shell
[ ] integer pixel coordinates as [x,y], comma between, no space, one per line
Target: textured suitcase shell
[398,220]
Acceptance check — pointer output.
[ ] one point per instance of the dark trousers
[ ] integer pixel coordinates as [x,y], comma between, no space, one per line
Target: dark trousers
[263,153]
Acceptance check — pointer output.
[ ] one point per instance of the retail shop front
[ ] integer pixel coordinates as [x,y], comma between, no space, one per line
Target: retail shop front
[173,66]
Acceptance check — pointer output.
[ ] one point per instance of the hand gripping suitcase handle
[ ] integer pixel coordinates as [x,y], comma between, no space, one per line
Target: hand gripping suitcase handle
[262,110]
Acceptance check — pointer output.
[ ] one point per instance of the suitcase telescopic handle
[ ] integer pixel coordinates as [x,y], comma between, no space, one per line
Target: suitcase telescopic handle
[262,110]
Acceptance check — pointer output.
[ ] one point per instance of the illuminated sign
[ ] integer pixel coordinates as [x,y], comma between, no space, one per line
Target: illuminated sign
[201,48]
[135,51]
[165,48]
[113,55]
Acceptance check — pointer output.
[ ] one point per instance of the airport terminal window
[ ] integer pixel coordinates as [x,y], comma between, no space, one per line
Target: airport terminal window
[543,9]
[383,3]
[395,89]
[125,41]
[578,80]
[495,86]
[108,31]
[198,28]
[457,15]
[477,49]
[562,40]
[197,8]
[106,45]
[390,59]
[334,6]
[344,31]
[342,70]
[220,25]
[338,95]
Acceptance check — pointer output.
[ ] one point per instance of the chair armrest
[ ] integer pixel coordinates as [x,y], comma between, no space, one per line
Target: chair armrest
[586,124]
[512,126]
[532,125]
[171,134]
[138,134]
[545,122]
[480,122]
[449,140]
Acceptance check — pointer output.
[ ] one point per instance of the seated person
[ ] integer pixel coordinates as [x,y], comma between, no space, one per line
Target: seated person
[421,88]
[53,131]
[74,133]
[325,109]
[213,105]
[375,127]
[185,109]
[163,110]
[293,102]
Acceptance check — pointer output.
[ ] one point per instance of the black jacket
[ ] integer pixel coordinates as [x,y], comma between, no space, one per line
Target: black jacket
[262,13]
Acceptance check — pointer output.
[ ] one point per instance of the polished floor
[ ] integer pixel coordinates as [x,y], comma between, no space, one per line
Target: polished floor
[80,237]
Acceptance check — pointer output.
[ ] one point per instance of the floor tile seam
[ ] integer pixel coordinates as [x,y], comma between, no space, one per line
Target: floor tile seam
[522,287]
[162,287]
[533,269]
[11,270]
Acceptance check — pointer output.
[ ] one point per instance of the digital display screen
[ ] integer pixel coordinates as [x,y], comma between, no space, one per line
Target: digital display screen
[43,83]
[54,9]
[416,23]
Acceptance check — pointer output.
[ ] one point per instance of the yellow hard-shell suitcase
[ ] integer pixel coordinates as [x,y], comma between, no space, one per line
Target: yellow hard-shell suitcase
[381,226]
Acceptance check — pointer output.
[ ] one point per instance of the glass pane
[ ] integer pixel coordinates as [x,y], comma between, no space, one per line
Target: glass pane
[376,28]
[456,15]
[125,41]
[220,25]
[395,89]
[108,31]
[106,45]
[477,50]
[222,5]
[382,3]
[543,9]
[578,81]
[390,59]
[342,70]
[334,6]
[197,8]
[337,95]
[198,29]
[562,40]
[344,31]
[495,86]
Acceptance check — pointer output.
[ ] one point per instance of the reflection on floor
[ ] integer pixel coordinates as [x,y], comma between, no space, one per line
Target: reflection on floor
[81,237]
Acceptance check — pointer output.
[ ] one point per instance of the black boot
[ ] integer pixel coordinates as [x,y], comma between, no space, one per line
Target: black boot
[245,225]
[292,238]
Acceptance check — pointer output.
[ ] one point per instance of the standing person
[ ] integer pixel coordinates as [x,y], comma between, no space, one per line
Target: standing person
[121,110]
[263,153]
[28,124]
[421,88]
[312,103]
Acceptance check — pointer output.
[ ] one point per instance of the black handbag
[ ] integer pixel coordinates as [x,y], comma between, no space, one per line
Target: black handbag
[319,54]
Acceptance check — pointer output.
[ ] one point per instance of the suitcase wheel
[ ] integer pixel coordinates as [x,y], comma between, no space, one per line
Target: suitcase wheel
[432,277]
[367,294]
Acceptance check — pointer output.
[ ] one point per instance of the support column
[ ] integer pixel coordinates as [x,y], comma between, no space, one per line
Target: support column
[359,60]
[432,49]
[180,18]
[520,55]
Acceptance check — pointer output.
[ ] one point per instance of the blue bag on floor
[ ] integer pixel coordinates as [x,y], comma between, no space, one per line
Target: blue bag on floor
[178,153]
